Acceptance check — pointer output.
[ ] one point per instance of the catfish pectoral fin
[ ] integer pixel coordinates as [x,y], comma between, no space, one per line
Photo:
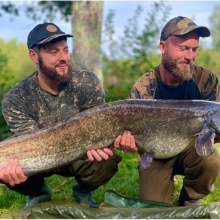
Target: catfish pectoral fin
[145,160]
[205,142]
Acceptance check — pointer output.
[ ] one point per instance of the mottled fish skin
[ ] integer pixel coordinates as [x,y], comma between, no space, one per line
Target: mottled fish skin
[162,128]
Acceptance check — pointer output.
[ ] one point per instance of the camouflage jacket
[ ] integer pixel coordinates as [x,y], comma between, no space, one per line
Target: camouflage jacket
[203,86]
[27,107]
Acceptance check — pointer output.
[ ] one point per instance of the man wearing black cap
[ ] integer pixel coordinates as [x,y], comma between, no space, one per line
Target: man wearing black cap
[177,77]
[54,93]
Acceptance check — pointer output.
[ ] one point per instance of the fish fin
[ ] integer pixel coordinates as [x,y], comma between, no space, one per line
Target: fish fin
[205,142]
[145,160]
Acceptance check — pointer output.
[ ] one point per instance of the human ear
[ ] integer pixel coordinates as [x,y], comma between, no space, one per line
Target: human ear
[33,55]
[162,46]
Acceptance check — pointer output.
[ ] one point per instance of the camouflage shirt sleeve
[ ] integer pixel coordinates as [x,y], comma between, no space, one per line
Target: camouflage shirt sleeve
[27,107]
[15,110]
[145,87]
[208,84]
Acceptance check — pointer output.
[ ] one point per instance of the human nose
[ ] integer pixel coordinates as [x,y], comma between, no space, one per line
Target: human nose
[190,55]
[64,55]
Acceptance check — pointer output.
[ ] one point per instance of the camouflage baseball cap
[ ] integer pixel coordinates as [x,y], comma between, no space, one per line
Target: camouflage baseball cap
[180,26]
[44,33]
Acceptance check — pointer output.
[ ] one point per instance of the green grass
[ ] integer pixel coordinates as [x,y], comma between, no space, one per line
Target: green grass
[125,182]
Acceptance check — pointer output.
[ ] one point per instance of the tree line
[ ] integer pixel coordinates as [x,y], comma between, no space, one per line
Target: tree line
[123,60]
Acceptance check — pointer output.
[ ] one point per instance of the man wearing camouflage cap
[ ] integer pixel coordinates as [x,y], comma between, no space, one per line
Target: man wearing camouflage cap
[51,94]
[177,77]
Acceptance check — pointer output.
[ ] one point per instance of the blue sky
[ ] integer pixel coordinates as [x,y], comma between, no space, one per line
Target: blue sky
[200,11]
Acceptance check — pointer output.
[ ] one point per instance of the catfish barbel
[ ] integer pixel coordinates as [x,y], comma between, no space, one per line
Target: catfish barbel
[162,129]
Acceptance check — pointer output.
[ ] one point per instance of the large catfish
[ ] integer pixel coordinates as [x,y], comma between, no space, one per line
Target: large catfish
[162,129]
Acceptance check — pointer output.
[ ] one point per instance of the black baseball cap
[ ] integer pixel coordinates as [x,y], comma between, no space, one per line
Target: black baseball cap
[180,26]
[44,33]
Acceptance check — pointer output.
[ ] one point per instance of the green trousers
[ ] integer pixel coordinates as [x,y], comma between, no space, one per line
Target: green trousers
[156,183]
[89,175]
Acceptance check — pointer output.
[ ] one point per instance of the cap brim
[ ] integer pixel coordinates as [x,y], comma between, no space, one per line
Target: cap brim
[47,40]
[201,30]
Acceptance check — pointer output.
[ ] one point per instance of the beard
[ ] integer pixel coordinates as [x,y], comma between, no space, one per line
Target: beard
[51,72]
[182,72]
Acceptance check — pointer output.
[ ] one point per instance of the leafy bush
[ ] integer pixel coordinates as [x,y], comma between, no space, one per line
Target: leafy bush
[6,78]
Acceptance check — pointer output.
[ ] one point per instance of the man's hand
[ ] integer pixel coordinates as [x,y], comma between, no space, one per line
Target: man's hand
[99,154]
[126,142]
[12,173]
